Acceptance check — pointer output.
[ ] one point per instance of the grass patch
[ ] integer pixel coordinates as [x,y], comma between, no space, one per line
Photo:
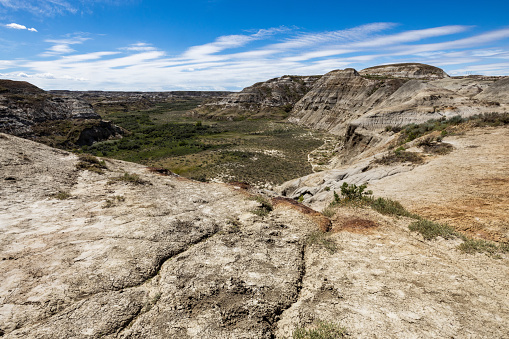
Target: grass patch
[322,330]
[61,195]
[265,206]
[482,246]
[329,211]
[389,207]
[322,240]
[131,178]
[357,196]
[431,230]
[399,156]
[90,163]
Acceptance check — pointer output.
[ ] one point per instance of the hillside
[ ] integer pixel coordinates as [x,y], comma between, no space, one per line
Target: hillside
[274,98]
[28,111]
[96,247]
[125,252]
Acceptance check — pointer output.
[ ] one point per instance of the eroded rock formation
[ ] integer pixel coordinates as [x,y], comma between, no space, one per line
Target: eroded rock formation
[28,111]
[272,98]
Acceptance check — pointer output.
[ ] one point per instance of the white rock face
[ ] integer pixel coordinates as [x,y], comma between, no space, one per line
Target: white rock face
[408,70]
[173,258]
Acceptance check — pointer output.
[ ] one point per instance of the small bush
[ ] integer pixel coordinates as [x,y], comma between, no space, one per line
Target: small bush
[323,240]
[430,230]
[323,330]
[483,246]
[353,192]
[390,207]
[90,163]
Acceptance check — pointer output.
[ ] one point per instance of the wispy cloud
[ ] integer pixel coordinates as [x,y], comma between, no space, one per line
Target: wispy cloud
[18,26]
[235,61]
[139,47]
[229,42]
[39,7]
[63,46]
[50,8]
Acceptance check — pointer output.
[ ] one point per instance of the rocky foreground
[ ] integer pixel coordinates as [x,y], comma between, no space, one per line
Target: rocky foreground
[132,253]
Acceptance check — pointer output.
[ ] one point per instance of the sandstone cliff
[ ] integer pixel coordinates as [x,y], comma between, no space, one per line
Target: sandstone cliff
[272,98]
[28,111]
[357,106]
[408,70]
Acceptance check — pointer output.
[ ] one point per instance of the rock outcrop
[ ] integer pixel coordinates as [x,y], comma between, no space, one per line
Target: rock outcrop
[88,255]
[357,106]
[408,70]
[272,98]
[25,110]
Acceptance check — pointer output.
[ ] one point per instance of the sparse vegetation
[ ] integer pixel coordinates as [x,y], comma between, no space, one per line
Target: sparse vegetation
[434,145]
[113,201]
[399,155]
[61,195]
[353,195]
[90,163]
[131,178]
[265,206]
[414,131]
[255,151]
[233,224]
[329,211]
[390,207]
[323,240]
[321,330]
[483,246]
[430,230]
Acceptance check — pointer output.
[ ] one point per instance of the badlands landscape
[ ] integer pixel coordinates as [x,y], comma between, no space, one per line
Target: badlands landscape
[362,204]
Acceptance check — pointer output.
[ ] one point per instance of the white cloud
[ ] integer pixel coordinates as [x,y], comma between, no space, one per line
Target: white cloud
[230,41]
[15,26]
[62,46]
[140,46]
[18,26]
[235,61]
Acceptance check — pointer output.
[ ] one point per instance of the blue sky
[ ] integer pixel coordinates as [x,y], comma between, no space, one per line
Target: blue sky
[153,45]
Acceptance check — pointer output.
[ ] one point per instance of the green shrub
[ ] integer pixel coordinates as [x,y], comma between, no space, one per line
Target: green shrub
[483,246]
[389,207]
[322,330]
[354,192]
[430,230]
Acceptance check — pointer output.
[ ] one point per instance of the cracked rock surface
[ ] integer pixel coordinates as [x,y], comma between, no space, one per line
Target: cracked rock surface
[165,258]
[174,258]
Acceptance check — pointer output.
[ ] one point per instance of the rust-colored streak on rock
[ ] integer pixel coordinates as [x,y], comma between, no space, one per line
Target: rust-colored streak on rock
[322,221]
[354,225]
